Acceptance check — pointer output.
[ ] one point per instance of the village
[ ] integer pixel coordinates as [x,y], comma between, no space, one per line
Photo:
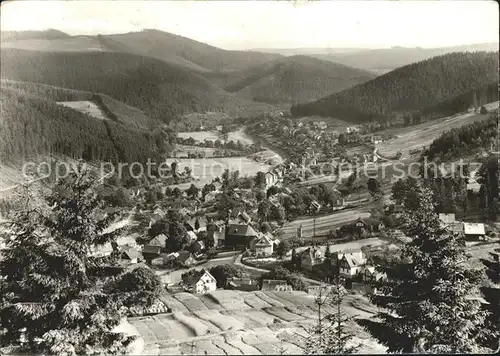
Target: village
[247,223]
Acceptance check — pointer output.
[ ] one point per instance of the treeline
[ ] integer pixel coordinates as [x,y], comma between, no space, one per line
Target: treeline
[32,126]
[473,98]
[464,140]
[163,91]
[409,89]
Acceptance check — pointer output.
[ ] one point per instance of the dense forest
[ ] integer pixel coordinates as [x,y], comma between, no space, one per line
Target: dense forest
[462,141]
[291,80]
[32,125]
[163,91]
[113,109]
[408,89]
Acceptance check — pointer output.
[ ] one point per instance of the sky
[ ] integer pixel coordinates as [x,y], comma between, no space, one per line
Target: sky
[271,24]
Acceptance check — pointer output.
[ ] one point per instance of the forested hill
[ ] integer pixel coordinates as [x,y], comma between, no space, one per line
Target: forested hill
[36,125]
[163,91]
[408,89]
[156,44]
[295,79]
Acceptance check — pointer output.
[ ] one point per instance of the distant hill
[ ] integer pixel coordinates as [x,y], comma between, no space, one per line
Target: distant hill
[33,123]
[162,90]
[408,89]
[387,59]
[293,79]
[161,45]
[51,34]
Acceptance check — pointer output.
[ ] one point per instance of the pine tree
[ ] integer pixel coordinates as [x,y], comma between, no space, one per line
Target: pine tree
[427,293]
[329,335]
[492,296]
[57,295]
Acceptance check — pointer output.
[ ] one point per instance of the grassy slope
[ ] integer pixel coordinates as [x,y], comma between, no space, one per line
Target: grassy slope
[417,136]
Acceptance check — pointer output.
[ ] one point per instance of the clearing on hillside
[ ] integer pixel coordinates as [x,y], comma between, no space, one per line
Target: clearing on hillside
[86,107]
[414,137]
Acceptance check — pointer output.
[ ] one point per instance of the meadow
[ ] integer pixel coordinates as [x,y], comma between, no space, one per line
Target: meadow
[418,136]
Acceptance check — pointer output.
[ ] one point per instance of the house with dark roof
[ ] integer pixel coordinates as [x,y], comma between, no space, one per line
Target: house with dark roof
[217,232]
[130,255]
[201,282]
[240,235]
[185,259]
[196,224]
[158,241]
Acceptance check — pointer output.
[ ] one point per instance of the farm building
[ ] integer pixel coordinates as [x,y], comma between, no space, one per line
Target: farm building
[276,285]
[201,282]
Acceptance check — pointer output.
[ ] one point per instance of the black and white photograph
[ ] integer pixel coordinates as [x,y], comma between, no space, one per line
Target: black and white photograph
[287,177]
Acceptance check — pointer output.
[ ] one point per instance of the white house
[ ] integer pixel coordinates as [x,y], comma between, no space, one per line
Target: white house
[447,219]
[191,235]
[350,264]
[202,282]
[271,179]
[474,231]
[351,129]
[264,245]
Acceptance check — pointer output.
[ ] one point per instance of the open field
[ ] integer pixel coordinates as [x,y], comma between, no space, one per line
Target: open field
[245,323]
[86,107]
[323,223]
[417,136]
[204,170]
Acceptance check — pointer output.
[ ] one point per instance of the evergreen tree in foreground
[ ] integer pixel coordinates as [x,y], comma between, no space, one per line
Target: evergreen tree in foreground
[57,295]
[492,295]
[427,294]
[330,335]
